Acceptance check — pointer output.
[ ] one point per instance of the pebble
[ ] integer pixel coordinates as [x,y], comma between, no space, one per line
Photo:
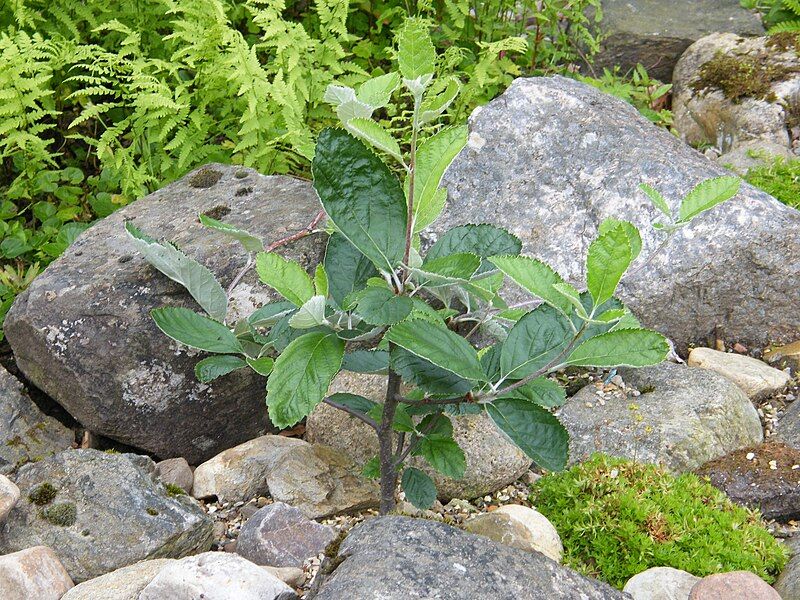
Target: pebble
[9,496]
[736,584]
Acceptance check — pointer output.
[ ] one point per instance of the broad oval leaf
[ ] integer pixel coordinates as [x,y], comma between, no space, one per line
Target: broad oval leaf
[381,306]
[212,367]
[415,52]
[437,345]
[609,256]
[418,488]
[197,279]
[285,276]
[378,91]
[537,432]
[427,376]
[311,314]
[363,199]
[483,240]
[250,242]
[301,376]
[271,313]
[348,269]
[706,195]
[632,233]
[196,330]
[535,341]
[656,198]
[542,391]
[535,276]
[444,454]
[366,361]
[621,347]
[436,103]
[375,135]
[353,402]
[262,366]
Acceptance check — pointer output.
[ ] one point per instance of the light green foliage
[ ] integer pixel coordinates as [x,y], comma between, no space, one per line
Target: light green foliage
[701,198]
[779,15]
[416,311]
[779,178]
[618,518]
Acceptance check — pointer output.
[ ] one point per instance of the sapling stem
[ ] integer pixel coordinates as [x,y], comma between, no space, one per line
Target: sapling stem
[386,443]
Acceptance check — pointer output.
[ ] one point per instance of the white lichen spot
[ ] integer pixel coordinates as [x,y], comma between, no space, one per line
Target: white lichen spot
[459,567]
[589,139]
[475,141]
[245,299]
[149,386]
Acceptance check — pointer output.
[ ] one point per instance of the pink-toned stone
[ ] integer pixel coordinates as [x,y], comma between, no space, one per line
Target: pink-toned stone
[33,573]
[733,585]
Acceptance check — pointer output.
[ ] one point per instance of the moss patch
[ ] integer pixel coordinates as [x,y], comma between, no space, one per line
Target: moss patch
[739,77]
[174,490]
[205,178]
[780,179]
[42,494]
[784,41]
[61,514]
[152,512]
[617,518]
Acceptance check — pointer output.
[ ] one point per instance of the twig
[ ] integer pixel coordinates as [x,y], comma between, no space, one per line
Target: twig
[360,416]
[299,235]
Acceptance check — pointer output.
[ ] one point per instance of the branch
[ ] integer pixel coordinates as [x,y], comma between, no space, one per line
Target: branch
[299,235]
[360,416]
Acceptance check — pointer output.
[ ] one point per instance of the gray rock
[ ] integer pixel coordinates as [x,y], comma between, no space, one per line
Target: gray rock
[26,433]
[661,583]
[788,582]
[292,576]
[216,576]
[655,33]
[281,536]
[552,158]
[683,418]
[33,573]
[122,584]
[707,116]
[82,332]
[788,427]
[176,471]
[493,462]
[395,558]
[100,512]
[753,154]
[9,496]
[318,480]
[755,378]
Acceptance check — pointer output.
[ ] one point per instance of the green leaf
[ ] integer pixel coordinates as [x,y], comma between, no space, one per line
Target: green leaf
[542,391]
[375,135]
[250,242]
[197,279]
[418,488]
[372,468]
[415,52]
[362,197]
[621,347]
[573,295]
[535,341]
[354,402]
[444,454]
[311,314]
[285,276]
[436,423]
[269,314]
[439,346]
[537,432]
[534,276]
[262,366]
[301,376]
[446,270]
[708,194]
[402,420]
[608,258]
[320,281]
[378,91]
[212,367]
[195,330]
[656,198]
[434,105]
[366,361]
[631,232]
[483,240]
[381,306]
[348,269]
[434,155]
[427,376]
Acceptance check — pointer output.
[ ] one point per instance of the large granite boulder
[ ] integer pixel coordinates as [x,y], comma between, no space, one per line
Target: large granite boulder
[26,433]
[395,558]
[82,331]
[683,418]
[551,158]
[655,33]
[100,512]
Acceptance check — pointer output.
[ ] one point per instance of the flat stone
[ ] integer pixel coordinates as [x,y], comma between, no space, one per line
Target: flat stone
[661,583]
[788,427]
[281,536]
[757,379]
[33,573]
[683,418]
[123,584]
[176,471]
[736,584]
[397,558]
[769,481]
[26,433]
[291,576]
[655,33]
[9,496]
[89,314]
[784,356]
[519,527]
[551,158]
[101,511]
[493,461]
[216,576]
[788,582]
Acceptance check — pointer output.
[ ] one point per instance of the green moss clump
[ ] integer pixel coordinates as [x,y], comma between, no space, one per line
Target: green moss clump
[617,518]
[780,179]
[174,490]
[784,41]
[152,512]
[741,77]
[42,494]
[62,514]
